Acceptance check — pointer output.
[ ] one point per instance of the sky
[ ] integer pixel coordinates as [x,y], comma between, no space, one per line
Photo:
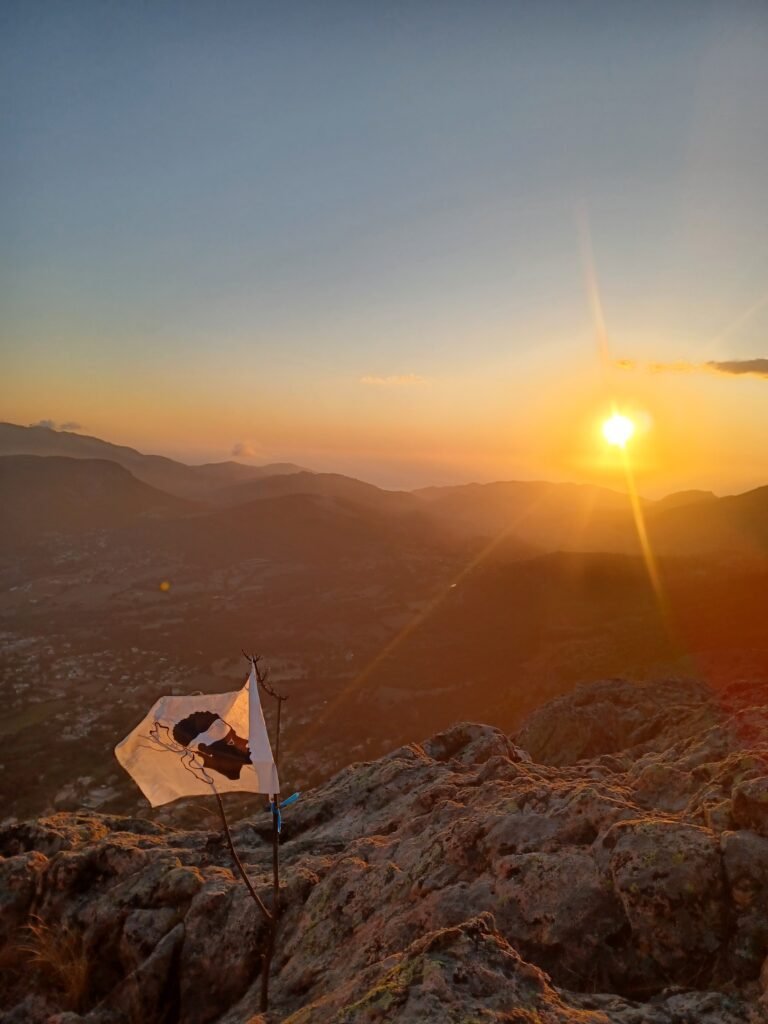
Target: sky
[418,242]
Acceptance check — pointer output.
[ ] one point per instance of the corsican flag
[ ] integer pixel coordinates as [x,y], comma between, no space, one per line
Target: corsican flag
[195,746]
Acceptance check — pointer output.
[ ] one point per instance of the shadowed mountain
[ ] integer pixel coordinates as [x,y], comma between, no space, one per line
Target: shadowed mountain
[519,517]
[304,528]
[552,515]
[331,485]
[176,478]
[408,516]
[505,636]
[682,498]
[54,494]
[571,517]
[736,525]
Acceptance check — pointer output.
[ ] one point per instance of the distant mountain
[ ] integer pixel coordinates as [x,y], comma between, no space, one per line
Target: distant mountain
[680,498]
[520,518]
[44,494]
[332,485]
[550,515]
[177,478]
[298,528]
[572,517]
[737,524]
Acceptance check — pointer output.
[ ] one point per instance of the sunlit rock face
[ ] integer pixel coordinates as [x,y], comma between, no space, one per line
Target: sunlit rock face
[616,870]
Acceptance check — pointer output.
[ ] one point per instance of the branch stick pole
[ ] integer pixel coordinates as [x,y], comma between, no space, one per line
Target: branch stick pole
[275,916]
[277,731]
[273,921]
[239,864]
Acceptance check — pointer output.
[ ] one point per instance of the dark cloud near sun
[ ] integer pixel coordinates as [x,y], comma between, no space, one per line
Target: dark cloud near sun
[755,367]
[726,367]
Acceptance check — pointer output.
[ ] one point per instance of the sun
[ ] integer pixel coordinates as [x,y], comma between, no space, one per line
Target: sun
[618,429]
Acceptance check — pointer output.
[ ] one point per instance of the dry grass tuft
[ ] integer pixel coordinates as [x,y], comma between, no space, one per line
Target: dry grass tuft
[58,953]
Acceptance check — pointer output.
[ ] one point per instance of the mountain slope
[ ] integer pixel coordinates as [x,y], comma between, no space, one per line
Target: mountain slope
[552,515]
[737,524]
[333,485]
[571,517]
[310,528]
[166,474]
[62,495]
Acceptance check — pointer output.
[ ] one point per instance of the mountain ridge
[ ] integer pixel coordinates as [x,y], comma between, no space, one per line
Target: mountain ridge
[526,516]
[166,474]
[56,494]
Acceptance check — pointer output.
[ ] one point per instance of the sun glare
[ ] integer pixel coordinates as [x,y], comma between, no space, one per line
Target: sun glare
[618,429]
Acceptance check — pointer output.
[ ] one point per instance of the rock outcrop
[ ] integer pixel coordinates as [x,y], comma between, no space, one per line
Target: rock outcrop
[615,872]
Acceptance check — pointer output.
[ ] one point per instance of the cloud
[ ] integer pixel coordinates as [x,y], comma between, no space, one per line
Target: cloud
[403,380]
[244,450]
[726,367]
[755,367]
[53,425]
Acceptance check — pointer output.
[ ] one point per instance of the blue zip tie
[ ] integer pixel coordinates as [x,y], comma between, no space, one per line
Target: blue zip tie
[275,808]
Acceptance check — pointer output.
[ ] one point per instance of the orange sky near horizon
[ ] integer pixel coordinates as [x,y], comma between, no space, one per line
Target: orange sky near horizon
[213,243]
[693,429]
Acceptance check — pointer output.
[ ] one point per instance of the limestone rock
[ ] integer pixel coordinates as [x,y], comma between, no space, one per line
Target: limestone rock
[620,875]
[750,804]
[745,860]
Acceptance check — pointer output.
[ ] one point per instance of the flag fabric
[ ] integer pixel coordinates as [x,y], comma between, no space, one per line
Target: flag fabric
[195,746]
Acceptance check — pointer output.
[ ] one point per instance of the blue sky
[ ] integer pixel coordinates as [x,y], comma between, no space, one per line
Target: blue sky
[207,202]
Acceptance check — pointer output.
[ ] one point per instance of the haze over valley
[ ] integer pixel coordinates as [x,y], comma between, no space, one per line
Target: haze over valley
[384,615]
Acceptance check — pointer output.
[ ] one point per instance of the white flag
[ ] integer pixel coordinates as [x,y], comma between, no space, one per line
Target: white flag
[195,746]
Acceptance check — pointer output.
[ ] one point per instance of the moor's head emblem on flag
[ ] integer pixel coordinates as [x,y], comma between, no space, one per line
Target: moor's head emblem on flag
[215,741]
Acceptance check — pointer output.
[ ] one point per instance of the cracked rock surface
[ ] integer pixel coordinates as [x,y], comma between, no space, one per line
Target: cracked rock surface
[607,864]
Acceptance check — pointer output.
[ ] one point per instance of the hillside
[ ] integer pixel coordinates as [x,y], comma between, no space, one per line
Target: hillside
[506,636]
[572,517]
[332,485]
[62,495]
[522,517]
[733,525]
[550,515]
[177,478]
[377,627]
[295,527]
[460,879]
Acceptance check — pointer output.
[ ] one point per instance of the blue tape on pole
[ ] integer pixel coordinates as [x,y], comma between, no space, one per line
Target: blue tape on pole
[274,807]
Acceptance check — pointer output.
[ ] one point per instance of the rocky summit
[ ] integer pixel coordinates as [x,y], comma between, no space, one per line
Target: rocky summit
[607,864]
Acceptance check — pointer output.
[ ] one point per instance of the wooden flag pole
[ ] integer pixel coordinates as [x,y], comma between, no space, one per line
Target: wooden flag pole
[275,915]
[239,864]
